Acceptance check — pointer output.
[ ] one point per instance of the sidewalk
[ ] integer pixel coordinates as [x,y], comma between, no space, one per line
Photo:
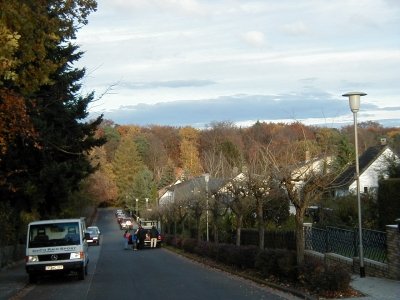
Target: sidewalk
[375,288]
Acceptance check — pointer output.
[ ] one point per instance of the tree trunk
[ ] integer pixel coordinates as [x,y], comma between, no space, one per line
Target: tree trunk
[215,233]
[175,229]
[261,228]
[198,229]
[183,227]
[300,235]
[238,229]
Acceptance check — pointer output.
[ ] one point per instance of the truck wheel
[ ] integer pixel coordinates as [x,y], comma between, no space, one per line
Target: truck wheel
[32,278]
[81,273]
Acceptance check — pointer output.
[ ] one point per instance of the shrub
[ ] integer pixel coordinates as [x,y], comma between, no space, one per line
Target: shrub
[189,245]
[246,257]
[207,249]
[224,253]
[277,262]
[173,241]
[168,238]
[320,277]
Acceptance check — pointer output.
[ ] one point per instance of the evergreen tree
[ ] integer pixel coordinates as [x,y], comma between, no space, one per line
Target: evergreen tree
[41,168]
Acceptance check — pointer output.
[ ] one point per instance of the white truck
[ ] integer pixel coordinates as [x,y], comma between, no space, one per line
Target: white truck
[55,246]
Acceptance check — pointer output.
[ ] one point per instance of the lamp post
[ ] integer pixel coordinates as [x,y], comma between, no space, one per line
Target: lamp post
[354,101]
[147,203]
[207,179]
[137,212]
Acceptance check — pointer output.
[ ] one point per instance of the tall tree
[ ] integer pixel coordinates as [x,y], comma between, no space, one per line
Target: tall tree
[126,165]
[47,167]
[189,151]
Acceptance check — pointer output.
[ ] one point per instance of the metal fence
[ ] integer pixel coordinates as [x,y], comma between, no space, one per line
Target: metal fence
[346,242]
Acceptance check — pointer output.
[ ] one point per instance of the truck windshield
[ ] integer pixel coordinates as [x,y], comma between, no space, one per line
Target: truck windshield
[54,234]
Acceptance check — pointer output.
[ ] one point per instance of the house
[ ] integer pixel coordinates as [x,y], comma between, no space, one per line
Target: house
[166,194]
[182,191]
[373,165]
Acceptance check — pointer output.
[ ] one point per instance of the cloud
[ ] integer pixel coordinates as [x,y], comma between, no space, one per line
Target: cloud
[175,6]
[298,28]
[310,108]
[254,38]
[168,84]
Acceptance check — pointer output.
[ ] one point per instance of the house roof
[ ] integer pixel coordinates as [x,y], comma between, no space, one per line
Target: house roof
[347,177]
[185,188]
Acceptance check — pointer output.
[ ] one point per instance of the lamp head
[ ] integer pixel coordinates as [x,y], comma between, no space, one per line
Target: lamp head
[354,100]
[207,177]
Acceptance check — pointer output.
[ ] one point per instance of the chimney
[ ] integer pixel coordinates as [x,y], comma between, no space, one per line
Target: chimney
[383,141]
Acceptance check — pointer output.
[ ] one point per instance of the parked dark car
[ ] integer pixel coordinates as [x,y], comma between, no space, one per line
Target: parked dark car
[94,233]
[146,237]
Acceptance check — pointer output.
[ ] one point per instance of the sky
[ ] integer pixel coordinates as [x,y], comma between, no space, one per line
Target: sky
[197,62]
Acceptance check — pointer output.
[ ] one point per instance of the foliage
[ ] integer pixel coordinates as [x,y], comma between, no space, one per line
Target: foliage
[270,263]
[101,185]
[274,239]
[388,201]
[207,249]
[43,158]
[343,212]
[14,121]
[189,151]
[189,245]
[320,277]
[143,186]
[167,176]
[345,153]
[126,165]
[8,233]
[277,262]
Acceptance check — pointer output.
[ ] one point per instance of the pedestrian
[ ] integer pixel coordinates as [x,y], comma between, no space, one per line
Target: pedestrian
[140,237]
[153,237]
[126,239]
[134,240]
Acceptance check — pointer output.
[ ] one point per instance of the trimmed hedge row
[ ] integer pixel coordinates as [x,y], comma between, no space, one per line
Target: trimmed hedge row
[277,263]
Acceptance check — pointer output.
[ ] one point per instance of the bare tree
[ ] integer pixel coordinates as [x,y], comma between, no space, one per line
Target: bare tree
[239,201]
[304,182]
[218,208]
[196,205]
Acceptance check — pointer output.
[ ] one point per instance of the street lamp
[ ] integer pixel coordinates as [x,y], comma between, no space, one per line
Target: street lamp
[137,212]
[354,101]
[147,203]
[207,179]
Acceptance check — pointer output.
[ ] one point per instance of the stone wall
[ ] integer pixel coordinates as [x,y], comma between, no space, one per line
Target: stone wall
[393,247]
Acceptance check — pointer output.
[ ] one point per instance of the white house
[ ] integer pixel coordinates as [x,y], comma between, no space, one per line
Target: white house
[373,165]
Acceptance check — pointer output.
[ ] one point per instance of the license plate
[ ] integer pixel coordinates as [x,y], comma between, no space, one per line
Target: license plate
[51,268]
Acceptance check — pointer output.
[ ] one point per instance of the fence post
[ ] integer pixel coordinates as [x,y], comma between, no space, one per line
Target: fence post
[307,227]
[393,250]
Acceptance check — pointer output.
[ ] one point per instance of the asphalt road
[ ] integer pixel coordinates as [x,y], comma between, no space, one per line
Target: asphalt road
[115,273]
